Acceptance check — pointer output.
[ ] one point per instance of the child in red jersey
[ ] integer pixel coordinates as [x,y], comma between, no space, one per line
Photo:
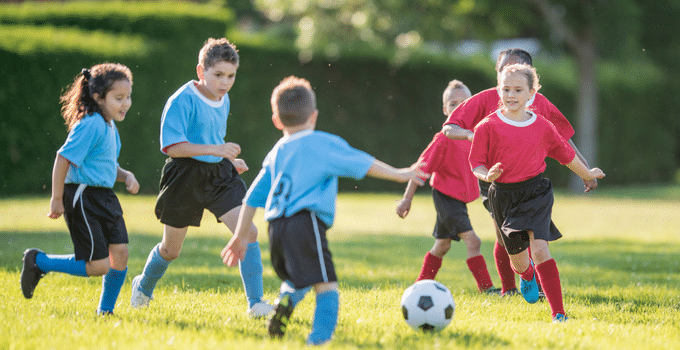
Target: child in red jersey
[509,150]
[465,117]
[453,186]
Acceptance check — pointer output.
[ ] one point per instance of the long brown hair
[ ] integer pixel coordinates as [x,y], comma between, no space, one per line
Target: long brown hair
[78,100]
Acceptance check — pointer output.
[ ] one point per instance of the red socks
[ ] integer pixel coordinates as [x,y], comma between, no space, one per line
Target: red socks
[552,287]
[431,265]
[504,268]
[477,266]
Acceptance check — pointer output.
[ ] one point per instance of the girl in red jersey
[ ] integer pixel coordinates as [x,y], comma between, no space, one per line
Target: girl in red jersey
[509,150]
[453,186]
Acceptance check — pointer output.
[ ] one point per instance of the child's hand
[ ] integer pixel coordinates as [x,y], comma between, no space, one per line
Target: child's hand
[596,173]
[494,172]
[56,208]
[403,207]
[590,185]
[417,175]
[228,150]
[234,251]
[240,165]
[131,184]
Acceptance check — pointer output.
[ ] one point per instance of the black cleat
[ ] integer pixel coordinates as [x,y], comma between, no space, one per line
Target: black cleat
[510,292]
[279,321]
[30,273]
[492,291]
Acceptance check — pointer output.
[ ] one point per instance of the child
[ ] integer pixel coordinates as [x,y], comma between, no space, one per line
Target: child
[464,118]
[453,185]
[201,173]
[85,169]
[297,186]
[509,150]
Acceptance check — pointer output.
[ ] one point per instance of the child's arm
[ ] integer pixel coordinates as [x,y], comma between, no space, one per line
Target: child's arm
[488,175]
[58,177]
[384,171]
[581,170]
[590,184]
[455,132]
[404,205]
[131,184]
[235,250]
[227,150]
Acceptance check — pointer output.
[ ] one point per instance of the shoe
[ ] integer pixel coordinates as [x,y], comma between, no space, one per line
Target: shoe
[510,292]
[492,290]
[541,295]
[279,321]
[138,298]
[104,313]
[261,309]
[559,318]
[30,272]
[529,289]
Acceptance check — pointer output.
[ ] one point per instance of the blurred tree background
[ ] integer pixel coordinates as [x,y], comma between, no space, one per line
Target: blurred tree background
[378,66]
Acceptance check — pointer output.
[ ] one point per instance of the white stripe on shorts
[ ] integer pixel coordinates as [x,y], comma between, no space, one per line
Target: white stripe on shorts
[319,248]
[76,197]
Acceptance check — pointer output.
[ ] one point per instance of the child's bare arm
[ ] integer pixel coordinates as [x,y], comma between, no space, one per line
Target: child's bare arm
[404,205]
[455,132]
[227,150]
[131,184]
[58,176]
[589,184]
[488,175]
[235,250]
[384,171]
[581,170]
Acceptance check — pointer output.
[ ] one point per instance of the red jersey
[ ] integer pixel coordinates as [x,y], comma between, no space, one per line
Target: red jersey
[520,147]
[469,113]
[447,161]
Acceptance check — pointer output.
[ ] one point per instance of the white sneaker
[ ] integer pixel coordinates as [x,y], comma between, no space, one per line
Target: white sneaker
[261,309]
[138,299]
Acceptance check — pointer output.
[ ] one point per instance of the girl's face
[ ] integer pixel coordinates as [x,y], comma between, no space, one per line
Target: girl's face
[456,97]
[515,92]
[117,101]
[217,80]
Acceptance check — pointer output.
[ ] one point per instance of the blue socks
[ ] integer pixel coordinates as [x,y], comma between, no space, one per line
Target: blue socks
[153,271]
[296,295]
[61,263]
[111,284]
[251,274]
[325,317]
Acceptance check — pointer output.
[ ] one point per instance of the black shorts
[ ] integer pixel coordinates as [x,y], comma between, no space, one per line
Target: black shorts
[189,186]
[521,207]
[299,250]
[484,193]
[452,217]
[95,219]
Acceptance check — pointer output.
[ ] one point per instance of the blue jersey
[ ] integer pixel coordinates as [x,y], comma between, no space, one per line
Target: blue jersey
[92,148]
[191,117]
[301,172]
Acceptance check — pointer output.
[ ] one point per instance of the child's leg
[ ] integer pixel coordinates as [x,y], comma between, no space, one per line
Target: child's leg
[475,261]
[296,295]
[503,266]
[433,259]
[326,313]
[546,269]
[61,263]
[114,279]
[524,268]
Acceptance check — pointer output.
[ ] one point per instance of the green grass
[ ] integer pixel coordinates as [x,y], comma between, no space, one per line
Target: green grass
[619,262]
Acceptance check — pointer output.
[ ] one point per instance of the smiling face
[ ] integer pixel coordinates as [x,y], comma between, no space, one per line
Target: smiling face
[515,92]
[117,101]
[216,80]
[454,98]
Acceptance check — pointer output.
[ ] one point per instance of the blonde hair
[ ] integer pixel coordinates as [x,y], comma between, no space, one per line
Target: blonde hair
[293,101]
[216,50]
[529,72]
[454,85]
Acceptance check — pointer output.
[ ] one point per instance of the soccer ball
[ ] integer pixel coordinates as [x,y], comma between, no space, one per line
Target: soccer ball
[427,305]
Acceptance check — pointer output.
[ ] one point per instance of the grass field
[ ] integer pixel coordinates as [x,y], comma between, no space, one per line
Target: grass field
[619,262]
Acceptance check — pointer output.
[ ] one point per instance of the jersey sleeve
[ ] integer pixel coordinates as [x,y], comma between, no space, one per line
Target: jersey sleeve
[434,155]
[346,161]
[469,113]
[174,123]
[560,149]
[258,191]
[480,147]
[556,117]
[81,139]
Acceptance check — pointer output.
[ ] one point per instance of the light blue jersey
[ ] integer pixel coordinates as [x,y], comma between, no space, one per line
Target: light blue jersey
[92,148]
[301,172]
[191,117]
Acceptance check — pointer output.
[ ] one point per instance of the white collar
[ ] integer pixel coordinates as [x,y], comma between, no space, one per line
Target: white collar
[209,102]
[514,123]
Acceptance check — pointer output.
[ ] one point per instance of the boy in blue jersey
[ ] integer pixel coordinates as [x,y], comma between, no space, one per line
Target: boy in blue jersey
[201,173]
[298,186]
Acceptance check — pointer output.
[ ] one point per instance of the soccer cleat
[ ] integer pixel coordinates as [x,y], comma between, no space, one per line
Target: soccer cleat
[510,292]
[104,313]
[492,291]
[559,318]
[138,298]
[30,272]
[279,321]
[541,295]
[529,289]
[261,309]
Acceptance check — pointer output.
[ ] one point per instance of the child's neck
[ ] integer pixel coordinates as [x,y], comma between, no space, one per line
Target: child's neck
[290,130]
[517,116]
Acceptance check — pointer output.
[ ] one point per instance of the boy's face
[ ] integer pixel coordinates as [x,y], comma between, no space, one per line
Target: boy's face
[217,80]
[456,97]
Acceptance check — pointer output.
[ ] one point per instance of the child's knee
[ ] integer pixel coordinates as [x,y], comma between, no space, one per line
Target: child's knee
[97,267]
[441,247]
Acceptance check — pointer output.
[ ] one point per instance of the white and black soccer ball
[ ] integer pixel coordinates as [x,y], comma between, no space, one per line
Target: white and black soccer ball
[427,305]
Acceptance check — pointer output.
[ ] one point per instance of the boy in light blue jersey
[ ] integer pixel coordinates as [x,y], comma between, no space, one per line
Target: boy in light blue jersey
[201,173]
[298,186]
